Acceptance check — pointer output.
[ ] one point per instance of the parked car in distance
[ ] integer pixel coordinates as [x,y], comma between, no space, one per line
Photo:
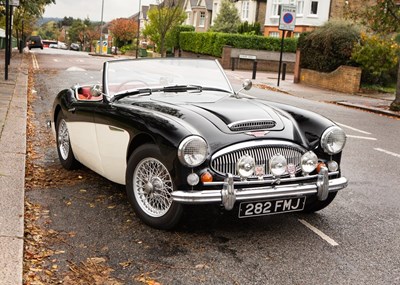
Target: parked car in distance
[59,45]
[74,46]
[175,132]
[35,42]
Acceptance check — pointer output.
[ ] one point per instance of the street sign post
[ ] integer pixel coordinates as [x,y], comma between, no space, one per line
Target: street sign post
[287,22]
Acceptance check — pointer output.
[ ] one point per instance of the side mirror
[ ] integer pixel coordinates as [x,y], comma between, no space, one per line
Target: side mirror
[95,90]
[247,84]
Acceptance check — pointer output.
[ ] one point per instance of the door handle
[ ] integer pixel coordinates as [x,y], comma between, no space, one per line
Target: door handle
[71,110]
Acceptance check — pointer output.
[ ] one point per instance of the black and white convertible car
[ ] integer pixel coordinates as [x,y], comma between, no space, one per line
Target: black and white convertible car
[174,132]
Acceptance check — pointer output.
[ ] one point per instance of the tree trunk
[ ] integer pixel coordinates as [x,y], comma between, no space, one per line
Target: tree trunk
[395,106]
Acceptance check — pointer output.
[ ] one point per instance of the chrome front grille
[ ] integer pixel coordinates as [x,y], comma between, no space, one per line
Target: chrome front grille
[224,161]
[252,125]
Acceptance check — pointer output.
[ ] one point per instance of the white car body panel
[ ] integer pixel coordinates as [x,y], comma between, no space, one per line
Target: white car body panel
[101,148]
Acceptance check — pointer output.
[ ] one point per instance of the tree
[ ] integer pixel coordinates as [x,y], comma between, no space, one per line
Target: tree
[25,14]
[228,20]
[49,31]
[163,19]
[383,18]
[124,31]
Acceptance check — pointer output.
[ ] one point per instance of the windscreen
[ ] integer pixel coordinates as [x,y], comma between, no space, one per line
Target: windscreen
[124,75]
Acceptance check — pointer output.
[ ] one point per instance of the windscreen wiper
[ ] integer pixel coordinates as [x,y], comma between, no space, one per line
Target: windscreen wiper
[196,88]
[141,92]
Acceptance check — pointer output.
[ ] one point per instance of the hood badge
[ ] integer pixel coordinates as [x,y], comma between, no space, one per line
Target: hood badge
[257,134]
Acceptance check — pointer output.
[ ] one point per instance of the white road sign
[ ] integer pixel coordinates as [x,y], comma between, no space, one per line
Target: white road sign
[287,19]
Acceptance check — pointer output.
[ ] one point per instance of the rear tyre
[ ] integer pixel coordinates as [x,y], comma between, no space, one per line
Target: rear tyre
[149,186]
[64,149]
[315,205]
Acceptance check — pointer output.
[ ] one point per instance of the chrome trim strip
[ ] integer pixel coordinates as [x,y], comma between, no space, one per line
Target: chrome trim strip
[270,181]
[269,192]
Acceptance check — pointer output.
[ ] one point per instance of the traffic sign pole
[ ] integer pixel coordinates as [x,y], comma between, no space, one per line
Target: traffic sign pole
[287,22]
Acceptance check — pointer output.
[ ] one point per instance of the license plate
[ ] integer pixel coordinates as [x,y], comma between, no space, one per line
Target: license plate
[262,208]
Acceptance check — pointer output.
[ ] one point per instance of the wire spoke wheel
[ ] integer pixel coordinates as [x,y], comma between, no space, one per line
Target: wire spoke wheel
[152,185]
[63,140]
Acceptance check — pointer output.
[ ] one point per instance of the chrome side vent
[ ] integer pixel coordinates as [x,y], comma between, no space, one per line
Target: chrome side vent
[251,125]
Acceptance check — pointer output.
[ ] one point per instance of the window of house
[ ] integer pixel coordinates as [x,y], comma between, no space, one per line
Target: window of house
[300,7]
[274,34]
[275,7]
[202,19]
[245,10]
[314,7]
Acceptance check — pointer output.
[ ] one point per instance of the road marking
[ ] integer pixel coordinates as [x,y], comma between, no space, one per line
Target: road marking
[319,233]
[388,152]
[35,62]
[75,68]
[363,138]
[354,129]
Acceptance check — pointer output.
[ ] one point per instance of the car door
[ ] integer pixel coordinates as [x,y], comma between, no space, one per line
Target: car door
[82,131]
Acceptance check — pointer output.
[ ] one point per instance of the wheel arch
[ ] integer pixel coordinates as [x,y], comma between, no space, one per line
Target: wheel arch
[137,141]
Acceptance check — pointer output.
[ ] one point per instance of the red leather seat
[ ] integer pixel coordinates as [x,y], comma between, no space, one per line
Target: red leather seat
[85,93]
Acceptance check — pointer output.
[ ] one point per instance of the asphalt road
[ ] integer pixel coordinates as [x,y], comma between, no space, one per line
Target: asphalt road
[353,241]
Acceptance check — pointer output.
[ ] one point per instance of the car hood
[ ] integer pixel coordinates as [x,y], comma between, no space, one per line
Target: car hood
[221,121]
[240,115]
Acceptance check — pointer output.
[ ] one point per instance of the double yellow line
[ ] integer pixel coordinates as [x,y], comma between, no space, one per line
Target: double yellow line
[35,62]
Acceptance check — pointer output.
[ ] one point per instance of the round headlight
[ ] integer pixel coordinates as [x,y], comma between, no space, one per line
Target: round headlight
[333,140]
[278,165]
[309,162]
[245,166]
[192,151]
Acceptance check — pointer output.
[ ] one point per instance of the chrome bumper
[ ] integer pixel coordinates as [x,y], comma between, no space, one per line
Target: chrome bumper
[229,194]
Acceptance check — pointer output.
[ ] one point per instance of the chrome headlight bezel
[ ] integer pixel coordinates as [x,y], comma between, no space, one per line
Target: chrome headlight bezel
[192,151]
[333,140]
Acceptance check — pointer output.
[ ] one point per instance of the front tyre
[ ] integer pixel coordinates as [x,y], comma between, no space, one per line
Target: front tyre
[316,205]
[149,186]
[64,150]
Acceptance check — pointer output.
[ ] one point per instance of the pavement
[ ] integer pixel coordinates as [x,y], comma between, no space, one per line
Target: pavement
[13,114]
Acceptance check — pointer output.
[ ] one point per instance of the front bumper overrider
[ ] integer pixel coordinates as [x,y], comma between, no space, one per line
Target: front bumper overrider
[231,191]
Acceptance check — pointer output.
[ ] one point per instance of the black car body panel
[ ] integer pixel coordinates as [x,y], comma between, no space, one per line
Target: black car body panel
[234,128]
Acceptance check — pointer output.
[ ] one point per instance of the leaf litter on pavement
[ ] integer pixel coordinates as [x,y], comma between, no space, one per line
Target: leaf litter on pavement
[40,264]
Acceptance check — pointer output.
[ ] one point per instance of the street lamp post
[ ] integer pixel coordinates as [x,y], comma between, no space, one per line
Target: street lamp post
[101,27]
[138,31]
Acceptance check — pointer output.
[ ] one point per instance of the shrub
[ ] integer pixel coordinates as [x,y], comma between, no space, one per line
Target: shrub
[212,43]
[378,59]
[329,46]
[126,48]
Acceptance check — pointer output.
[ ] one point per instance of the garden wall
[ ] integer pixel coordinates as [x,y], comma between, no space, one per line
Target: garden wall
[344,79]
[266,60]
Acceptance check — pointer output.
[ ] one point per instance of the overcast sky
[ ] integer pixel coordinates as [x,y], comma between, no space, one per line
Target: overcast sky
[92,8]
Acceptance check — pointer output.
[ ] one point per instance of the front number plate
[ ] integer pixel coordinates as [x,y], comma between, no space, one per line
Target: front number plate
[262,208]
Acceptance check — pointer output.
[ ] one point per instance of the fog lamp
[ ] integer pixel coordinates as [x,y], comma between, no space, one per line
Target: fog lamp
[333,166]
[245,166]
[278,165]
[193,179]
[309,162]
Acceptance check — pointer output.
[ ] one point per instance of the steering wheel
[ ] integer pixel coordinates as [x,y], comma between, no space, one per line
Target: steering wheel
[141,82]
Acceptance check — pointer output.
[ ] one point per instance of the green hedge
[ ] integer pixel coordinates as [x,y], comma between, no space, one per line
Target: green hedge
[212,43]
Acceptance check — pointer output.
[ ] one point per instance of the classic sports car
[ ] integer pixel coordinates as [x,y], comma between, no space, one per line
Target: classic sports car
[174,132]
